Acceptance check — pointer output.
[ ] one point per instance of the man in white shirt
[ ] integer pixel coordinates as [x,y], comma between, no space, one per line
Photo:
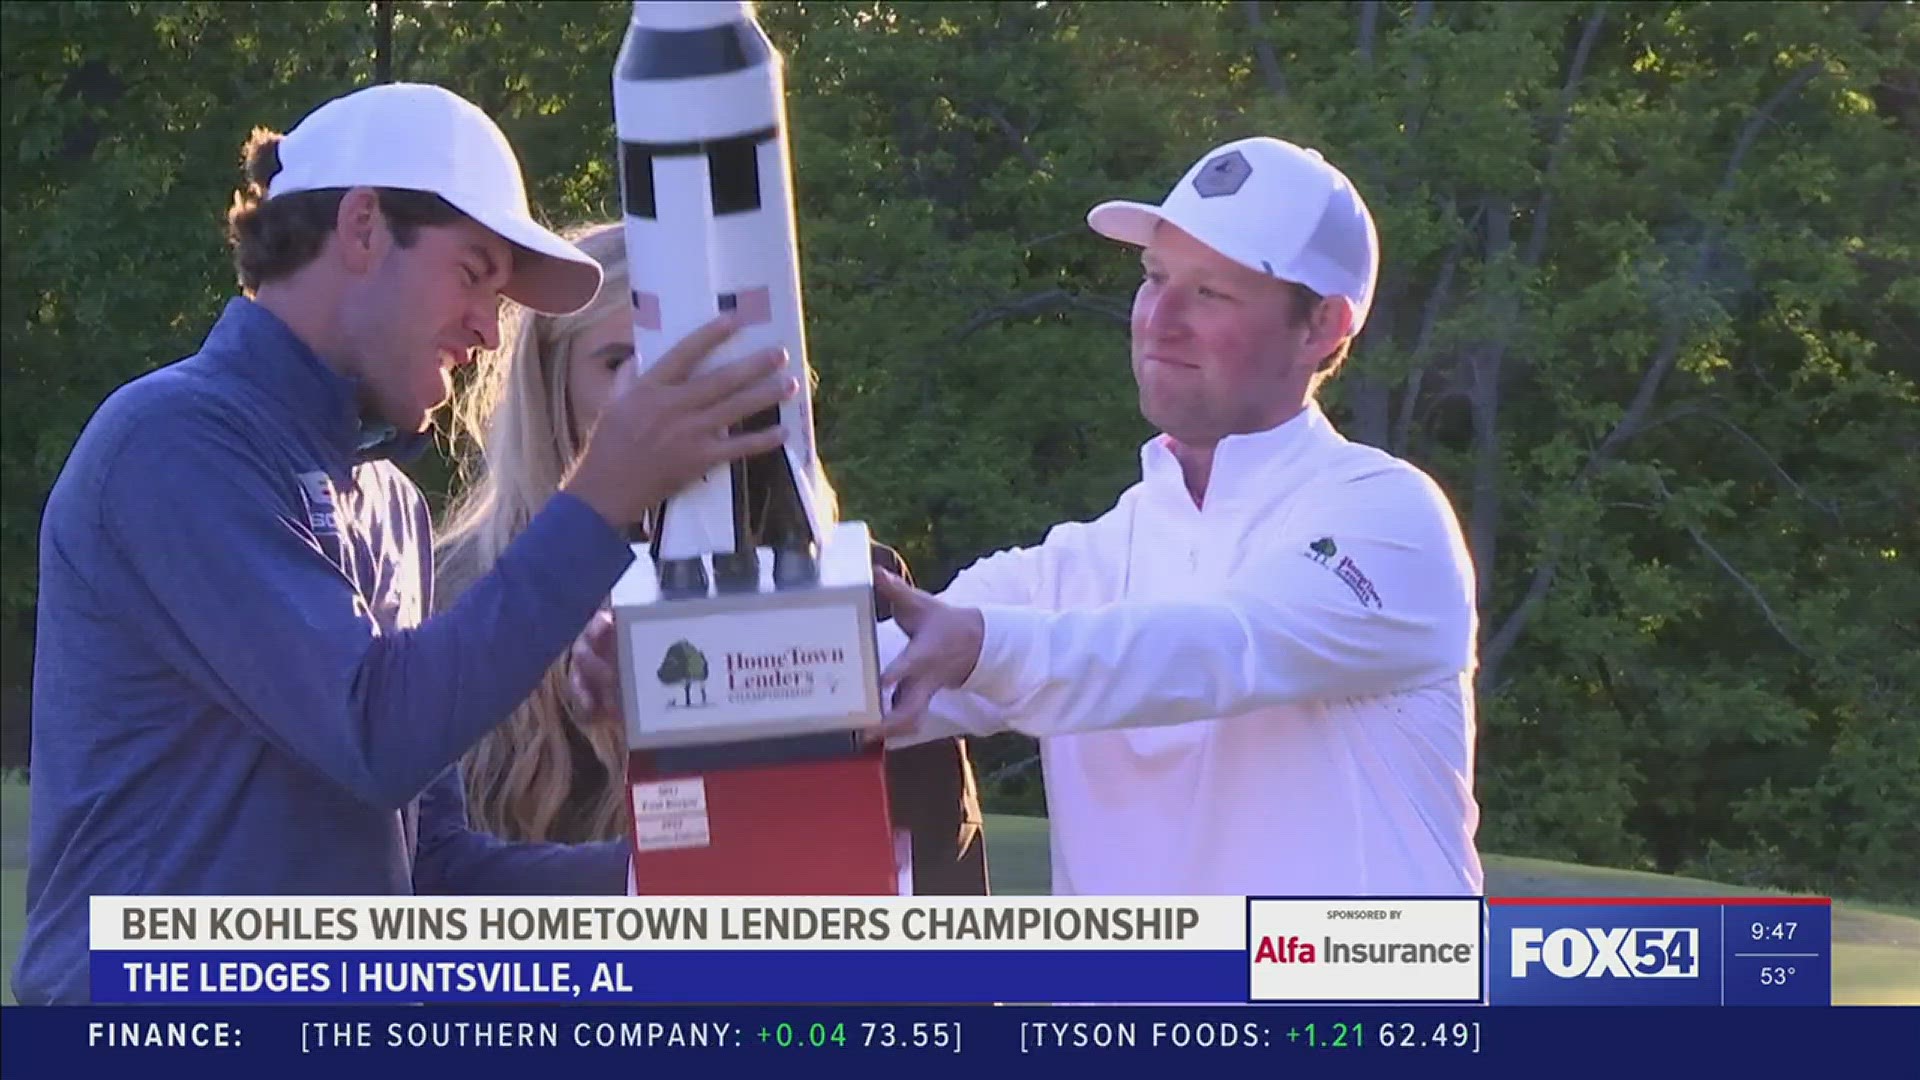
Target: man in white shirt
[1253,675]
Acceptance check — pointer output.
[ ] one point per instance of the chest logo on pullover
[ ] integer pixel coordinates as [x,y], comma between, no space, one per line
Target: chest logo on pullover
[323,517]
[1327,553]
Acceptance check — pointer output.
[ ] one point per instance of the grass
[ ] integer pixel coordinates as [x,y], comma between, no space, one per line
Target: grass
[13,878]
[1876,947]
[13,922]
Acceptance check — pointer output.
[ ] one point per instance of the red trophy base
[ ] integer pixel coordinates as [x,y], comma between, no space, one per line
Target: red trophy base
[783,828]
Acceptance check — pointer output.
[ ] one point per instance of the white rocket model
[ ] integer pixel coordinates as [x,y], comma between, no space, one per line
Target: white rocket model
[699,106]
[747,631]
[748,653]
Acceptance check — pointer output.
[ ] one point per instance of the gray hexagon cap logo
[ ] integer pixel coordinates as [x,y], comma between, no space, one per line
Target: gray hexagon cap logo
[1223,175]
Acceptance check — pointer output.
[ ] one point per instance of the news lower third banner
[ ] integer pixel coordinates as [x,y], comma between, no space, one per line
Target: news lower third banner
[959,951]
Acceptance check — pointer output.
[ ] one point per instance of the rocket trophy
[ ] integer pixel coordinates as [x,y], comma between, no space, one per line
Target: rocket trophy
[748,659]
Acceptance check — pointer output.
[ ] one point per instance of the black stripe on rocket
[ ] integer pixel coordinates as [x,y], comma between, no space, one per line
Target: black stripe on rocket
[733,172]
[649,53]
[733,165]
[733,182]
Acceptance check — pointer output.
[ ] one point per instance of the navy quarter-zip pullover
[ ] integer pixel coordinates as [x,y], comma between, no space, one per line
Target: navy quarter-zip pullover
[236,688]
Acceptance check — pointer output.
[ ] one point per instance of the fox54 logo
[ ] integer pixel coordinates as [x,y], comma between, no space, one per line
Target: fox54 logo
[1603,954]
[1621,952]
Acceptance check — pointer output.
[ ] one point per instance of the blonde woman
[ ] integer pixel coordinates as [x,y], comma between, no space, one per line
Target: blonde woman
[551,773]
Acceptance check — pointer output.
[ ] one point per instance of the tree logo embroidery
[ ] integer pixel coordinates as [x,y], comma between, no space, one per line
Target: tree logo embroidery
[1323,550]
[1224,175]
[683,666]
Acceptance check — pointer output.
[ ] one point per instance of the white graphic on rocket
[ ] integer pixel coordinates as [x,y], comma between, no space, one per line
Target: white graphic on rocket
[707,195]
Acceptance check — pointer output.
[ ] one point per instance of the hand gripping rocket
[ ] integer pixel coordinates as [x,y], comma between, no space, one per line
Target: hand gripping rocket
[748,659]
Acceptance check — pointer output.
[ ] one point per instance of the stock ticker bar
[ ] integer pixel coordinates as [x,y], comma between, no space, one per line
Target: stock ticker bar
[372,1041]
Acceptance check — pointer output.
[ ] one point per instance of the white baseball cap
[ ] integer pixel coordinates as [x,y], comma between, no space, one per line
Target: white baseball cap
[1272,207]
[427,138]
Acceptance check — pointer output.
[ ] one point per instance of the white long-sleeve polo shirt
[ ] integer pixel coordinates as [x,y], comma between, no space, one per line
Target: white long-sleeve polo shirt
[1268,694]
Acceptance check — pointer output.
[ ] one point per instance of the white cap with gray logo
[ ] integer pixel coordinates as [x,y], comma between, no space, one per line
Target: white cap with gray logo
[1270,206]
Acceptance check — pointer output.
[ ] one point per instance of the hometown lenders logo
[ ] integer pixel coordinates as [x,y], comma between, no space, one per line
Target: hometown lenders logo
[795,672]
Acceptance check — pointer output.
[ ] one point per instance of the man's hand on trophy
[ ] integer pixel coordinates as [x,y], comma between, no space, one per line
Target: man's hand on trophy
[666,427]
[594,678]
[943,645]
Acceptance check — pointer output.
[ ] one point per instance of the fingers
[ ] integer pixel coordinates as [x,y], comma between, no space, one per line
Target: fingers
[595,639]
[577,687]
[593,672]
[901,598]
[901,667]
[681,360]
[751,443]
[600,630]
[889,585]
[592,675]
[910,701]
[744,401]
[582,682]
[628,378]
[711,389]
[907,689]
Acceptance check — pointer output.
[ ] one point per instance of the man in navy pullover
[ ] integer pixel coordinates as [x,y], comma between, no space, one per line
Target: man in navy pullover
[236,690]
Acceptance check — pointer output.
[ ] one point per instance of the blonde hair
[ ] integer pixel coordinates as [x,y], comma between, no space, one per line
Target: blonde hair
[515,437]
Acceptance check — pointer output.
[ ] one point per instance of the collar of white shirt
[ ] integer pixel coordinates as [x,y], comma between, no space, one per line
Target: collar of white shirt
[1240,462]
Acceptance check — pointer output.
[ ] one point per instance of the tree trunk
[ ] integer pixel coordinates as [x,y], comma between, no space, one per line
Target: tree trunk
[383,41]
[1483,388]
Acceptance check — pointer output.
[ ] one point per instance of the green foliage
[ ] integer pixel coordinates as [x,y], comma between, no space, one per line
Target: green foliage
[1649,315]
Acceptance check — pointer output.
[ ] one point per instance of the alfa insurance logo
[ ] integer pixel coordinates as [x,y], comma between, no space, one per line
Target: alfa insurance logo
[1377,949]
